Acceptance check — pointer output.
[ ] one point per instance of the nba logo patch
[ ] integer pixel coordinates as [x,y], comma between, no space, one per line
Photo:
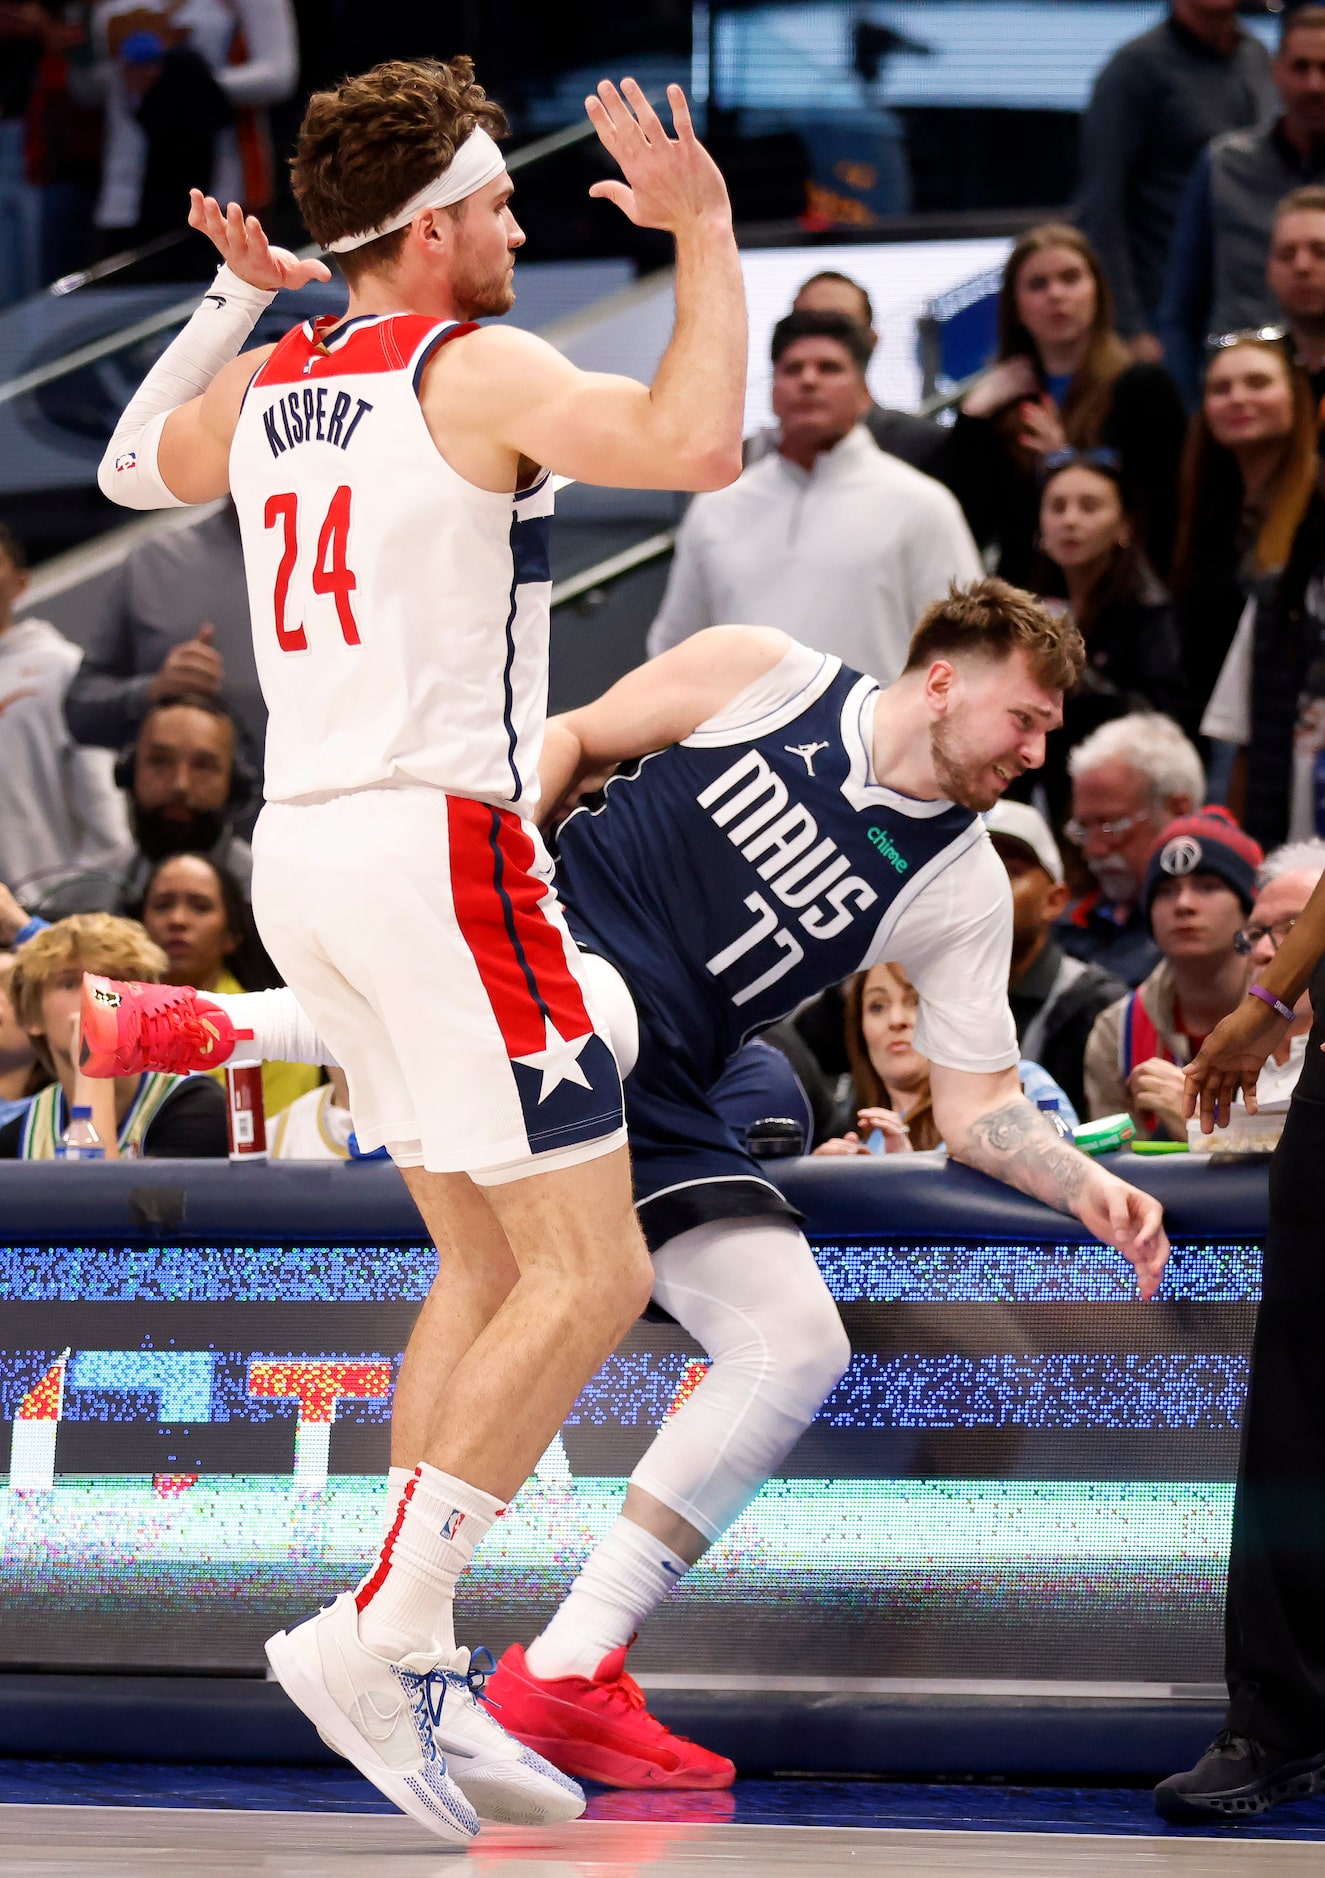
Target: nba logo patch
[127,460]
[451,1525]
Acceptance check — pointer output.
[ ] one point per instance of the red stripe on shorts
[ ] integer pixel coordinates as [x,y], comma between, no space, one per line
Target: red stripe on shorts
[370,1587]
[498,905]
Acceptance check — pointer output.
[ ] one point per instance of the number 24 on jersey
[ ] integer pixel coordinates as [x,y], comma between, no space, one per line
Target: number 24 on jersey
[331,572]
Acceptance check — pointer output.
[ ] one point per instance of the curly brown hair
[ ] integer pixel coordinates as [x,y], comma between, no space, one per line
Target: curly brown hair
[993,619]
[372,142]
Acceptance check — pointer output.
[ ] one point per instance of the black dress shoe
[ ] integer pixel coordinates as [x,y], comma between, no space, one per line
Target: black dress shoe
[1235,1778]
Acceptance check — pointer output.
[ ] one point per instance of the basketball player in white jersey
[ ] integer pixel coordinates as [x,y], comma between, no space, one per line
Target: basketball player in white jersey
[391,474]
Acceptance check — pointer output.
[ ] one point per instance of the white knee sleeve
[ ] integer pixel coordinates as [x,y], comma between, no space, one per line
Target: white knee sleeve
[751,1293]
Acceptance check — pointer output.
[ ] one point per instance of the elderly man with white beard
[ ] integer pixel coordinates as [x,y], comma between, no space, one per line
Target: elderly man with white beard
[1130,779]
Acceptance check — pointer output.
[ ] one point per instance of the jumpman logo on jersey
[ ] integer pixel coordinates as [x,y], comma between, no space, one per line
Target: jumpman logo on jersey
[808,751]
[559,1062]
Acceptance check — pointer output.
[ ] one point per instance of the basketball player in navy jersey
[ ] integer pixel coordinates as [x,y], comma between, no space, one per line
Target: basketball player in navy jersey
[786,823]
[391,471]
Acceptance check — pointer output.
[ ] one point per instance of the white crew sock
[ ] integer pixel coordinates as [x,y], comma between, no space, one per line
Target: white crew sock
[397,1479]
[405,1602]
[622,1580]
[283,1032]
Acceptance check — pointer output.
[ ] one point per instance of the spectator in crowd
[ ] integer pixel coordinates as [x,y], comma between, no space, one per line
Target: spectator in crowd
[251,48]
[317,1125]
[1094,554]
[1063,377]
[890,1095]
[1269,702]
[1155,106]
[1248,476]
[828,537]
[890,1099]
[1130,778]
[1054,998]
[21,1075]
[1283,887]
[181,111]
[156,1113]
[1215,281]
[31,33]
[187,788]
[918,441]
[59,808]
[193,909]
[1295,272]
[173,619]
[1199,887]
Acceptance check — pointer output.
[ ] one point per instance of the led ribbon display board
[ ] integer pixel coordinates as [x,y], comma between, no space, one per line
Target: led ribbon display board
[1024,1473]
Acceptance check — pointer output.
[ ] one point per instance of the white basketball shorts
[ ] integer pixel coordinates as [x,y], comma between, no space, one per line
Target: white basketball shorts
[422,934]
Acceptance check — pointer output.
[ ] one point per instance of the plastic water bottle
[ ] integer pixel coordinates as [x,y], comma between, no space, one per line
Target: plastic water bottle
[1048,1105]
[80,1140]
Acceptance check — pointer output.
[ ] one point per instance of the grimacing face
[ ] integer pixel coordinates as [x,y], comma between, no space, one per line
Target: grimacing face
[993,728]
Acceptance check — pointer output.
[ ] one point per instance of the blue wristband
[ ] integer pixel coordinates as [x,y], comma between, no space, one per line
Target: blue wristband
[30,931]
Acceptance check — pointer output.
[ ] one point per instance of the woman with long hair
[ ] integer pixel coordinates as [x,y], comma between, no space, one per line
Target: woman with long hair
[890,1094]
[1093,562]
[889,1077]
[1063,378]
[1248,475]
[195,912]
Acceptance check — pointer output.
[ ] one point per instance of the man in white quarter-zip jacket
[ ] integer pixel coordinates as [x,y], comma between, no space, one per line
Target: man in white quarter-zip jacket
[59,807]
[827,537]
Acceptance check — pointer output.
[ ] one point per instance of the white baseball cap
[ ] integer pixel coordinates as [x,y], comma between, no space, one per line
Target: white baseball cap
[1020,822]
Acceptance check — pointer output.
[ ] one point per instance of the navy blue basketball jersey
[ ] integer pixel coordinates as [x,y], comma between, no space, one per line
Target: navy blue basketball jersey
[734,875]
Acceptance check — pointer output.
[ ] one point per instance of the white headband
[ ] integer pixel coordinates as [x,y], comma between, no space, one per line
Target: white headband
[476,162]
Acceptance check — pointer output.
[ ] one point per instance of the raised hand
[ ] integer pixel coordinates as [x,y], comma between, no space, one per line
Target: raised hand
[671,182]
[195,665]
[242,245]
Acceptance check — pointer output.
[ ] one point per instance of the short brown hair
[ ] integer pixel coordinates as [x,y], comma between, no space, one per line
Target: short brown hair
[1308,200]
[100,942]
[372,142]
[1308,19]
[992,619]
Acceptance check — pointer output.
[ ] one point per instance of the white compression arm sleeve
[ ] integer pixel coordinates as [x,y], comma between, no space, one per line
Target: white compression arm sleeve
[128,472]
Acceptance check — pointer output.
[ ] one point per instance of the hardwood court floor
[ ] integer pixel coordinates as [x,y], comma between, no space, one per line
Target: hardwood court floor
[88,1841]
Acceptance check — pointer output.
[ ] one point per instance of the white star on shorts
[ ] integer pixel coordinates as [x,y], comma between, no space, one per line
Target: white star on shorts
[559,1062]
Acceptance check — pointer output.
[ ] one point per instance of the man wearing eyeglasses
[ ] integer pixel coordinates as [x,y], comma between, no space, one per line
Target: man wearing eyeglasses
[1130,779]
[1283,887]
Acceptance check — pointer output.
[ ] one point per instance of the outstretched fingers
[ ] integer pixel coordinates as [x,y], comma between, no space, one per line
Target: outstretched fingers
[681,121]
[647,118]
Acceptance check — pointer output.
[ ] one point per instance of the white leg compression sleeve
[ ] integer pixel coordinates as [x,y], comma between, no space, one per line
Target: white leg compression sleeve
[283,1032]
[750,1292]
[128,472]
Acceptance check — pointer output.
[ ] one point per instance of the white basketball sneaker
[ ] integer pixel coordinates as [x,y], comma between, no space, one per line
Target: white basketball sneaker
[379,1715]
[501,1778]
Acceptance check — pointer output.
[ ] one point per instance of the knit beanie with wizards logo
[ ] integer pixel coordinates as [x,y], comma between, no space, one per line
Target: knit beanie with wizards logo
[1207,842]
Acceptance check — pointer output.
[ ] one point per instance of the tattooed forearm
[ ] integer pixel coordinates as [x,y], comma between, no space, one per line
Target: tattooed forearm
[1018,1144]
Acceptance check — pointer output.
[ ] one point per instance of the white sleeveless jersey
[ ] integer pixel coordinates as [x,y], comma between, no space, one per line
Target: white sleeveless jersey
[400,615]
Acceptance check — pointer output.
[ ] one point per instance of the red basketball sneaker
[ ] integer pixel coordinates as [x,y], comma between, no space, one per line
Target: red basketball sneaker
[600,1728]
[127,1028]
